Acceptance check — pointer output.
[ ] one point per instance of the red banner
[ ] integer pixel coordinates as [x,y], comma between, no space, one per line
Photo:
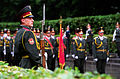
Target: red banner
[61,50]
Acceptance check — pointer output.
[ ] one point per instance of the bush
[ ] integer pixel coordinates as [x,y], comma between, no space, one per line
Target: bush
[107,21]
[14,72]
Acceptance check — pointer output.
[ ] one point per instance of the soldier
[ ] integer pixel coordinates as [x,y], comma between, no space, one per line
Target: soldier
[1,46]
[54,45]
[100,51]
[89,38]
[49,50]
[8,45]
[68,40]
[116,38]
[79,47]
[26,46]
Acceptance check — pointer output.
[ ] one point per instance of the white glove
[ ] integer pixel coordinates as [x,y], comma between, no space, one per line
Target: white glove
[73,56]
[95,59]
[40,54]
[86,58]
[107,59]
[53,56]
[45,55]
[76,57]
[66,55]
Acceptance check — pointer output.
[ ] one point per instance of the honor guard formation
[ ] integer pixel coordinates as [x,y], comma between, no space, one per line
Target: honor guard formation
[23,49]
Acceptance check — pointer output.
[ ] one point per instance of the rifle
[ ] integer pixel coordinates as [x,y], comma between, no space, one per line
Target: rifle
[42,39]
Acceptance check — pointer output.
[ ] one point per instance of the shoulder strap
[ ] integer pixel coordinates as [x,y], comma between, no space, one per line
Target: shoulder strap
[22,39]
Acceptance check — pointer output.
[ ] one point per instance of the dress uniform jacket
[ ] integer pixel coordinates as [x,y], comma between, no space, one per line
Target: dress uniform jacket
[79,47]
[117,37]
[26,47]
[1,48]
[100,51]
[100,48]
[49,49]
[8,50]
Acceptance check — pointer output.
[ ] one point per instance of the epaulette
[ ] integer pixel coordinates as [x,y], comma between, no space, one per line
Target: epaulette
[95,37]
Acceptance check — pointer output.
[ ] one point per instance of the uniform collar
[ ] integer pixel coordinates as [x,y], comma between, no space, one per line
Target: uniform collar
[80,38]
[25,27]
[101,37]
[53,37]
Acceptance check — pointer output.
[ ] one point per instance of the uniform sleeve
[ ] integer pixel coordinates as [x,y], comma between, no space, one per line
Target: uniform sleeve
[30,44]
[94,49]
[74,47]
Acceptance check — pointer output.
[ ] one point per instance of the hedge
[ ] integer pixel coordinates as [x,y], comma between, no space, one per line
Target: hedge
[14,72]
[106,21]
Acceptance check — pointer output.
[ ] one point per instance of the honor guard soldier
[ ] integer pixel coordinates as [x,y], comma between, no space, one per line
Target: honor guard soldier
[1,46]
[8,45]
[116,38]
[54,45]
[89,38]
[49,50]
[100,51]
[26,46]
[67,32]
[79,47]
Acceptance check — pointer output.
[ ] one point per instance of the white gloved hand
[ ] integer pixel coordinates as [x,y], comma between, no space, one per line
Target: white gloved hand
[40,54]
[86,58]
[53,56]
[66,55]
[76,57]
[107,59]
[95,59]
[45,55]
[73,56]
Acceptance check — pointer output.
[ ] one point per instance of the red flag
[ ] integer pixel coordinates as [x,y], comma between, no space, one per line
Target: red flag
[61,49]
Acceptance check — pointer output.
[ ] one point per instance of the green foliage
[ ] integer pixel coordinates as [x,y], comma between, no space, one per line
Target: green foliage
[14,72]
[108,22]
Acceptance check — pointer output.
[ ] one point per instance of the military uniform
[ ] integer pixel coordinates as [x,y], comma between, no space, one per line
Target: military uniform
[100,52]
[8,46]
[26,46]
[54,43]
[49,49]
[116,38]
[79,50]
[1,47]
[89,39]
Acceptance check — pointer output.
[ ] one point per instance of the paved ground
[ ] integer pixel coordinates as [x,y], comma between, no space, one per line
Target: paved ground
[112,67]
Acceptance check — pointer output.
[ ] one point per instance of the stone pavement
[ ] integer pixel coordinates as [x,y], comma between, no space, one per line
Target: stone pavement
[112,67]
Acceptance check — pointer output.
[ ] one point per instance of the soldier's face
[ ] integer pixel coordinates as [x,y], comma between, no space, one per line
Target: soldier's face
[28,21]
[101,34]
[77,34]
[48,34]
[8,34]
[52,34]
[80,35]
[117,26]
